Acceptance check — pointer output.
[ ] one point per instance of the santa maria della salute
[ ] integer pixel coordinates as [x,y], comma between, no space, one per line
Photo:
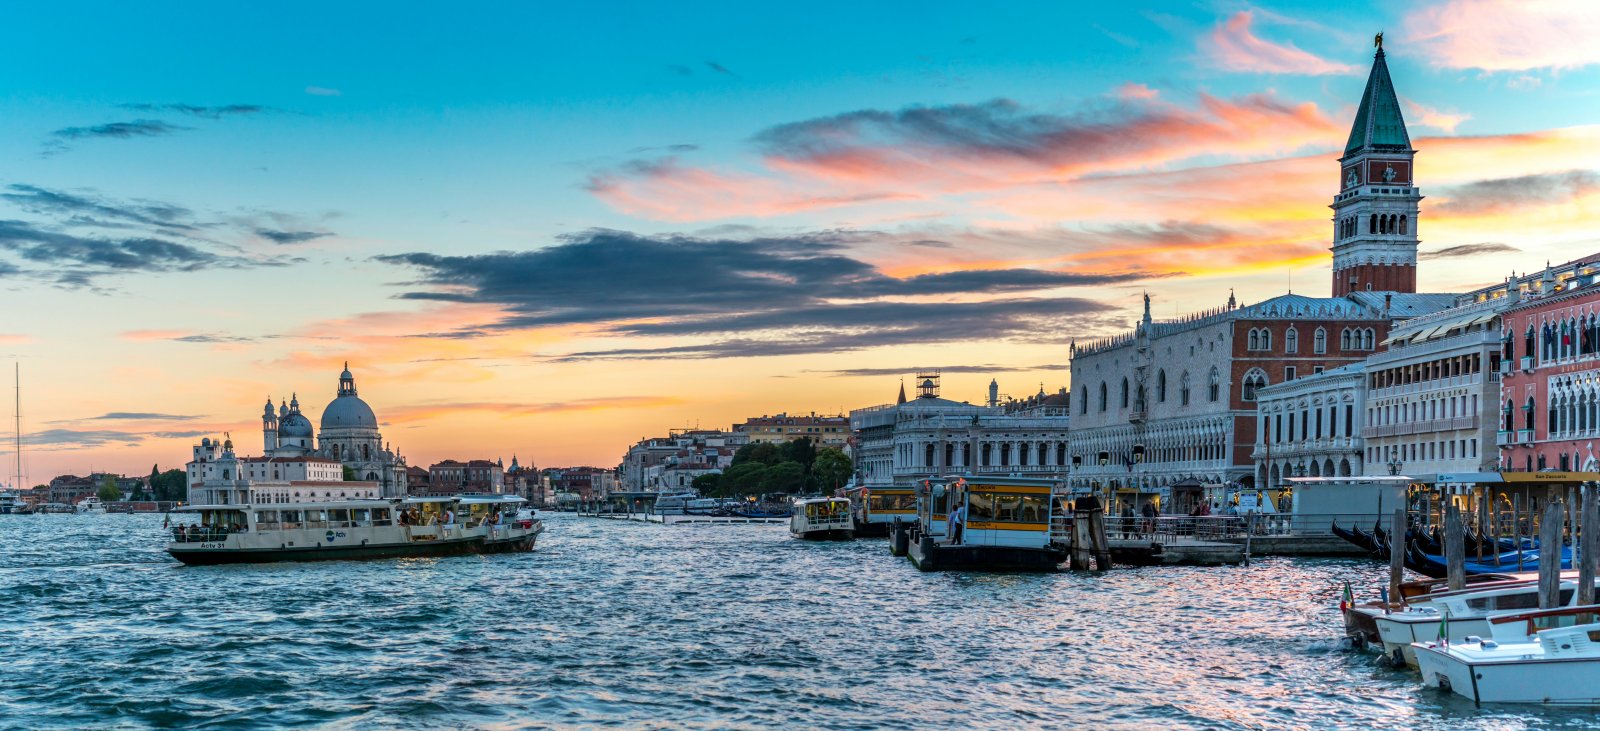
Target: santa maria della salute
[298,464]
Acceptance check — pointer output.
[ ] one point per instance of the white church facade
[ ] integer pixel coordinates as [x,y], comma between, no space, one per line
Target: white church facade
[296,464]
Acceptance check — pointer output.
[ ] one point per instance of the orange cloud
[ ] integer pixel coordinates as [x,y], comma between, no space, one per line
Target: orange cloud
[1429,117]
[424,412]
[1234,46]
[1506,35]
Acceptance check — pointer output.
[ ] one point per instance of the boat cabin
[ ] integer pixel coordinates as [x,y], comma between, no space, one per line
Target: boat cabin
[1000,511]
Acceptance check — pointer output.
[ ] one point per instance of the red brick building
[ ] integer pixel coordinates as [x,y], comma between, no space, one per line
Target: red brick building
[1550,388]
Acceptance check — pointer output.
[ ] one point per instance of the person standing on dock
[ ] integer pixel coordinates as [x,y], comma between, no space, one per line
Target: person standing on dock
[955,523]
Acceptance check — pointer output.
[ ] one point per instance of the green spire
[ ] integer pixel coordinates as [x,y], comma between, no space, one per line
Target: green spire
[1378,123]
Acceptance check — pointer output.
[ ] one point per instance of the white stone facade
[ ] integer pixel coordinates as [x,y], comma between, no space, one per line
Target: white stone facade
[1311,427]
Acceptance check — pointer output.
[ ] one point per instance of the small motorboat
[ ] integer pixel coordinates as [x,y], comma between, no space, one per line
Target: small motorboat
[1549,657]
[90,505]
[826,518]
[1464,613]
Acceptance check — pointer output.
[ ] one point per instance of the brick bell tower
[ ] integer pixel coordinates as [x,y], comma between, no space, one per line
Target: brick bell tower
[1375,211]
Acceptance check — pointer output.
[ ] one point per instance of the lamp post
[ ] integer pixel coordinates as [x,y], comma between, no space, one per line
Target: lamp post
[1395,465]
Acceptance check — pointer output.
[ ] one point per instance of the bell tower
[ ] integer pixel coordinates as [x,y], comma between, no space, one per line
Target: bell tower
[1375,211]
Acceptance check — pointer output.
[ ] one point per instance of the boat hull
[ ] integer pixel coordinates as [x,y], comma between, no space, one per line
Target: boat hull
[928,555]
[1532,680]
[869,529]
[1401,630]
[831,534]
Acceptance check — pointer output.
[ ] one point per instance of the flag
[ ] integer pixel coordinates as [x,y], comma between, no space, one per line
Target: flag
[1383,594]
[1444,630]
[1347,600]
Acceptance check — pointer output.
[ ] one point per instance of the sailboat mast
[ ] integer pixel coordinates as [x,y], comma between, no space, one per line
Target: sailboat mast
[17,478]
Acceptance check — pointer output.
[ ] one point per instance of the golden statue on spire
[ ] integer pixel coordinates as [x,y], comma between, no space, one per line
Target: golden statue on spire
[1377,40]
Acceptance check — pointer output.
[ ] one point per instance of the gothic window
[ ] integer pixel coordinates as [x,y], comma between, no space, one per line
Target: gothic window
[1367,339]
[1161,386]
[1319,341]
[1528,414]
[1083,400]
[1372,224]
[1344,339]
[1183,389]
[1102,396]
[1254,340]
[1266,339]
[1402,224]
[1253,381]
[1214,386]
[1124,403]
[1291,340]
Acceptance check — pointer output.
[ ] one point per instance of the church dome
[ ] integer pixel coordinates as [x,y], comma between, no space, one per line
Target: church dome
[347,412]
[293,425]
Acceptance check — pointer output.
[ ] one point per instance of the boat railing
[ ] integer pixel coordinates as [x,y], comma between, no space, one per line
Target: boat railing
[1169,528]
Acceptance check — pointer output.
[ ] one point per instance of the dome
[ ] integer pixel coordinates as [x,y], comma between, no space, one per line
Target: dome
[293,425]
[347,412]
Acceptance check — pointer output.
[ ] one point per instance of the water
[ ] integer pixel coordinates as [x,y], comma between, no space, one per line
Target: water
[647,626]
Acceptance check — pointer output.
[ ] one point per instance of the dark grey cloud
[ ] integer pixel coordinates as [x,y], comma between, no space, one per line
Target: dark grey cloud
[80,438]
[142,416]
[759,296]
[81,254]
[218,112]
[91,210]
[179,434]
[212,338]
[120,130]
[677,148]
[719,68]
[1465,250]
[1503,194]
[289,237]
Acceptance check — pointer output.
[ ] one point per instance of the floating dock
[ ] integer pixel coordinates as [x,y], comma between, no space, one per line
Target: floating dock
[685,519]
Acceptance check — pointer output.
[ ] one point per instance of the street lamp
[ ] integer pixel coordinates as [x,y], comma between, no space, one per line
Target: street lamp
[1395,464]
[1300,469]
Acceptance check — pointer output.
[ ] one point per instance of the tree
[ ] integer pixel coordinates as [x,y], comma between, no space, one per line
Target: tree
[349,474]
[742,479]
[783,477]
[763,453]
[707,484]
[802,451]
[170,486]
[109,493]
[832,468]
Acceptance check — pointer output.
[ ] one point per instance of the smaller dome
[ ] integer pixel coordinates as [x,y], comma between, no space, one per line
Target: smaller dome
[294,425]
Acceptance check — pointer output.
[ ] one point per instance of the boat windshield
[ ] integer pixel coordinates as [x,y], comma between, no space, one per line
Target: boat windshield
[880,502]
[997,507]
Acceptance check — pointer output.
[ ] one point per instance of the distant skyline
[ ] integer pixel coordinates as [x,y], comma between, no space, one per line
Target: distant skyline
[549,231]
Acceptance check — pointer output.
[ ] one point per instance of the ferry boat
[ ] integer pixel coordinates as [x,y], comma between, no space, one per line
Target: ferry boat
[1007,526]
[352,529]
[825,518]
[11,504]
[673,504]
[90,504]
[1550,656]
[876,509]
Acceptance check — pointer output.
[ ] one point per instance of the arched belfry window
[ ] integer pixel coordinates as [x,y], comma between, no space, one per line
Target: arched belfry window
[1254,380]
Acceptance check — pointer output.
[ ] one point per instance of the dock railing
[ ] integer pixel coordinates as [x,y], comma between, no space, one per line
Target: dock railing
[1172,528]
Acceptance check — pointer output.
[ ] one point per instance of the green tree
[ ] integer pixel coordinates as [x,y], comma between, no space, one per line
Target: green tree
[349,474]
[785,477]
[802,451]
[170,486]
[708,484]
[832,468]
[742,479]
[763,453]
[108,490]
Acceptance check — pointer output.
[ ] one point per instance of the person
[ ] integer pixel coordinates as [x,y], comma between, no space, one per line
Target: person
[1127,520]
[956,523]
[1149,513]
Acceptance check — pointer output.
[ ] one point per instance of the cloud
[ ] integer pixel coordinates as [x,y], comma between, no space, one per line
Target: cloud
[719,68]
[289,237]
[1135,91]
[1234,46]
[85,257]
[1468,250]
[56,439]
[323,91]
[1505,194]
[121,130]
[218,112]
[772,295]
[1428,117]
[982,369]
[1493,35]
[92,210]
[141,416]
[421,412]
[14,338]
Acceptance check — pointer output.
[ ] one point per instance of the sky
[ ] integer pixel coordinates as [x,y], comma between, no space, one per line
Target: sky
[548,230]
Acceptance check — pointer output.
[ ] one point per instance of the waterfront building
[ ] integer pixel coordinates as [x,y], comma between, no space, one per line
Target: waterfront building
[825,431]
[587,483]
[685,453]
[1310,427]
[69,489]
[930,436]
[1550,389]
[1170,408]
[451,477]
[295,465]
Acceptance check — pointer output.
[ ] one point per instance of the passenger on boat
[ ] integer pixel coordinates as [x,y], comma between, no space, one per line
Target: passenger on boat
[1149,512]
[955,523]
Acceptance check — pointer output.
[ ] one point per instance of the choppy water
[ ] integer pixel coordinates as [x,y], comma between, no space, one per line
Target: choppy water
[646,626]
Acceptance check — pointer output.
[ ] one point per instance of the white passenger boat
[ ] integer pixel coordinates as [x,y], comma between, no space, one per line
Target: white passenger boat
[11,503]
[1550,656]
[90,504]
[825,518]
[1007,526]
[352,529]
[877,509]
[671,504]
[1468,610]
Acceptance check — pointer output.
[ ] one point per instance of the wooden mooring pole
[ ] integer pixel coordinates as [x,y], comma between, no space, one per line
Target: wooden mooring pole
[1397,553]
[1587,535]
[1102,545]
[1079,555]
[1455,548]
[1550,555]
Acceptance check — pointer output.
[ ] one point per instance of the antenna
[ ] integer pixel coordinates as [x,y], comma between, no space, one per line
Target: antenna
[17,478]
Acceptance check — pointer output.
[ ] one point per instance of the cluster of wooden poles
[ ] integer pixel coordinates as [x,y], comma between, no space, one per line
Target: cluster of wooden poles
[1574,516]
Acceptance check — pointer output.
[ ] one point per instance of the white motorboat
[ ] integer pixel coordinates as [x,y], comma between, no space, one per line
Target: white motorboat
[11,503]
[825,518]
[1550,656]
[89,505]
[1468,610]
[673,504]
[352,529]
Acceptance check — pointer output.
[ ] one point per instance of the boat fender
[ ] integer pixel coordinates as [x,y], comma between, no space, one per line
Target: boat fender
[1398,658]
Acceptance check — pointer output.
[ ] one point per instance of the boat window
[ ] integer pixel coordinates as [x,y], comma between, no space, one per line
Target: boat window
[291,518]
[892,502]
[1007,508]
[339,515]
[380,516]
[1521,600]
[266,518]
[361,515]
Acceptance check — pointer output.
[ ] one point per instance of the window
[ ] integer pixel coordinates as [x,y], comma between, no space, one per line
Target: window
[1291,340]
[1214,386]
[1288,373]
[1319,341]
[1316,370]
[1102,396]
[1183,389]
[1344,339]
[1253,381]
[1161,386]
[1124,393]
[1083,400]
